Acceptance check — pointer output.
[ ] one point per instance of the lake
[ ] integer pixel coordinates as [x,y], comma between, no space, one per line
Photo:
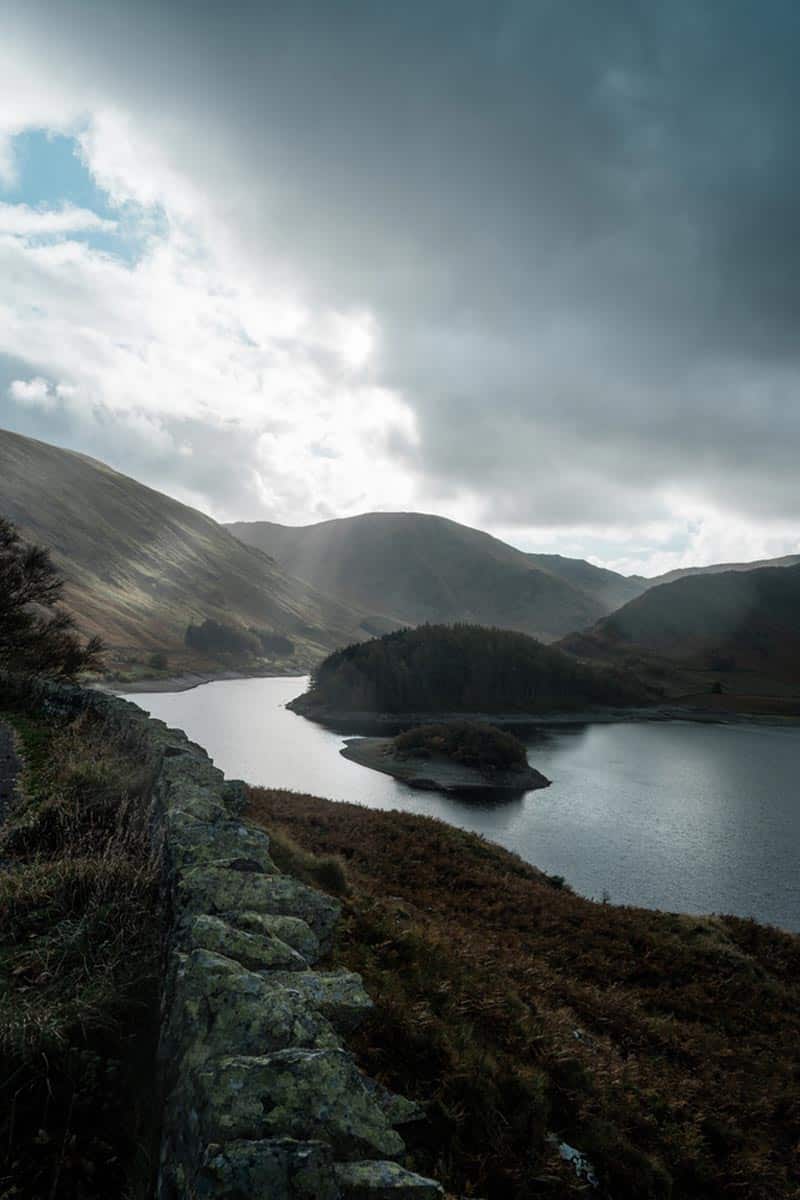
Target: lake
[674,815]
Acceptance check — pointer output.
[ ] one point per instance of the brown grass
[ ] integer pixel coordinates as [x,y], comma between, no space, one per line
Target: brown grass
[78,969]
[666,1048]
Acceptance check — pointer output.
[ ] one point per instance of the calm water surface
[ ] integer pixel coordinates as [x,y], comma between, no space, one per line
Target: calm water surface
[679,816]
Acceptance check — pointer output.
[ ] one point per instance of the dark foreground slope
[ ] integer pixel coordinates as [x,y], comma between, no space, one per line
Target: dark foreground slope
[416,568]
[666,1048]
[741,628]
[140,567]
[461,668]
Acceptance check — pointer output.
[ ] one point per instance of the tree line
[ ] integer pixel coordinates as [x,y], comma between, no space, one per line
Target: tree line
[464,668]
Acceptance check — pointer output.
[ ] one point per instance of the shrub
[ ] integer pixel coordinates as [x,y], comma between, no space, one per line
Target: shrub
[213,637]
[274,643]
[471,743]
[158,661]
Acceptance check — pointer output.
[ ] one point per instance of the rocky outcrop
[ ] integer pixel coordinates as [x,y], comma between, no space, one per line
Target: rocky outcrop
[259,1096]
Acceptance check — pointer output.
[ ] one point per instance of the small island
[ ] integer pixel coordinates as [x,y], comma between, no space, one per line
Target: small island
[457,756]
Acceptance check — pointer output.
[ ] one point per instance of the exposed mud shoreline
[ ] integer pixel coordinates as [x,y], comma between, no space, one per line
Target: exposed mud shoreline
[189,680]
[436,772]
[392,723]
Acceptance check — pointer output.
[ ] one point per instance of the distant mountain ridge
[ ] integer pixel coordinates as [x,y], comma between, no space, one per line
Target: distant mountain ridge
[787,560]
[140,566]
[608,588]
[740,627]
[418,568]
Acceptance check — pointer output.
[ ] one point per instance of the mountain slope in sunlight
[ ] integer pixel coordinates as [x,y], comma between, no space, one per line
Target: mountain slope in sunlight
[140,567]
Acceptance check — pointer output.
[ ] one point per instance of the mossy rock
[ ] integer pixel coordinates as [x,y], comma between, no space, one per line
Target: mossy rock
[305,1094]
[296,932]
[219,890]
[277,1168]
[384,1181]
[255,952]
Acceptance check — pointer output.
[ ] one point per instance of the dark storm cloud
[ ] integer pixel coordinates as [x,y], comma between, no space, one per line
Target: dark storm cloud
[577,224]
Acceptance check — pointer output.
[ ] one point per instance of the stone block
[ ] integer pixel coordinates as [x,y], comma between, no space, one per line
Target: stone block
[384,1181]
[218,890]
[339,995]
[303,1094]
[272,1169]
[293,930]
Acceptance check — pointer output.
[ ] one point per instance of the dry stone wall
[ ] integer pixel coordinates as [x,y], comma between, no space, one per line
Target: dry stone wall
[260,1097]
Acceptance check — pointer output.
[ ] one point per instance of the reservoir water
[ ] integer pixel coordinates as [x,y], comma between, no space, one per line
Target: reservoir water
[675,815]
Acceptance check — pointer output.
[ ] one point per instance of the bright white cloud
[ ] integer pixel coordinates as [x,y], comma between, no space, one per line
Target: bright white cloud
[33,393]
[188,334]
[21,220]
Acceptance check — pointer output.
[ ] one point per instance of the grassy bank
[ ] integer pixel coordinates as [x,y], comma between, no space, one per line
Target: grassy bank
[666,1048]
[78,968]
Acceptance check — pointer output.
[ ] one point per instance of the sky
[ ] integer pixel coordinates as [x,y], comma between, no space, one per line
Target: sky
[533,265]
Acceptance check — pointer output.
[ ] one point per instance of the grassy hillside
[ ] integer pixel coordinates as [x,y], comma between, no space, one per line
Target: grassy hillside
[140,567]
[666,1048]
[460,668]
[608,588]
[740,628]
[416,568]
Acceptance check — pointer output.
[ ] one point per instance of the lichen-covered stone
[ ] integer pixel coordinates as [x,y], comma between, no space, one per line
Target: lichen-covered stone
[292,930]
[218,890]
[384,1181]
[235,796]
[202,803]
[256,952]
[191,768]
[399,1110]
[219,1007]
[272,1169]
[340,995]
[304,1094]
[194,842]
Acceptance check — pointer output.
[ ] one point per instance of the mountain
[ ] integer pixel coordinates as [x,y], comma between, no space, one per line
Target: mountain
[740,629]
[140,567]
[608,588]
[612,590]
[788,560]
[416,568]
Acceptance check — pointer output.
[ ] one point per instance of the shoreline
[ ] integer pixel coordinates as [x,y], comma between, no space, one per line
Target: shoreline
[357,722]
[189,680]
[438,773]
